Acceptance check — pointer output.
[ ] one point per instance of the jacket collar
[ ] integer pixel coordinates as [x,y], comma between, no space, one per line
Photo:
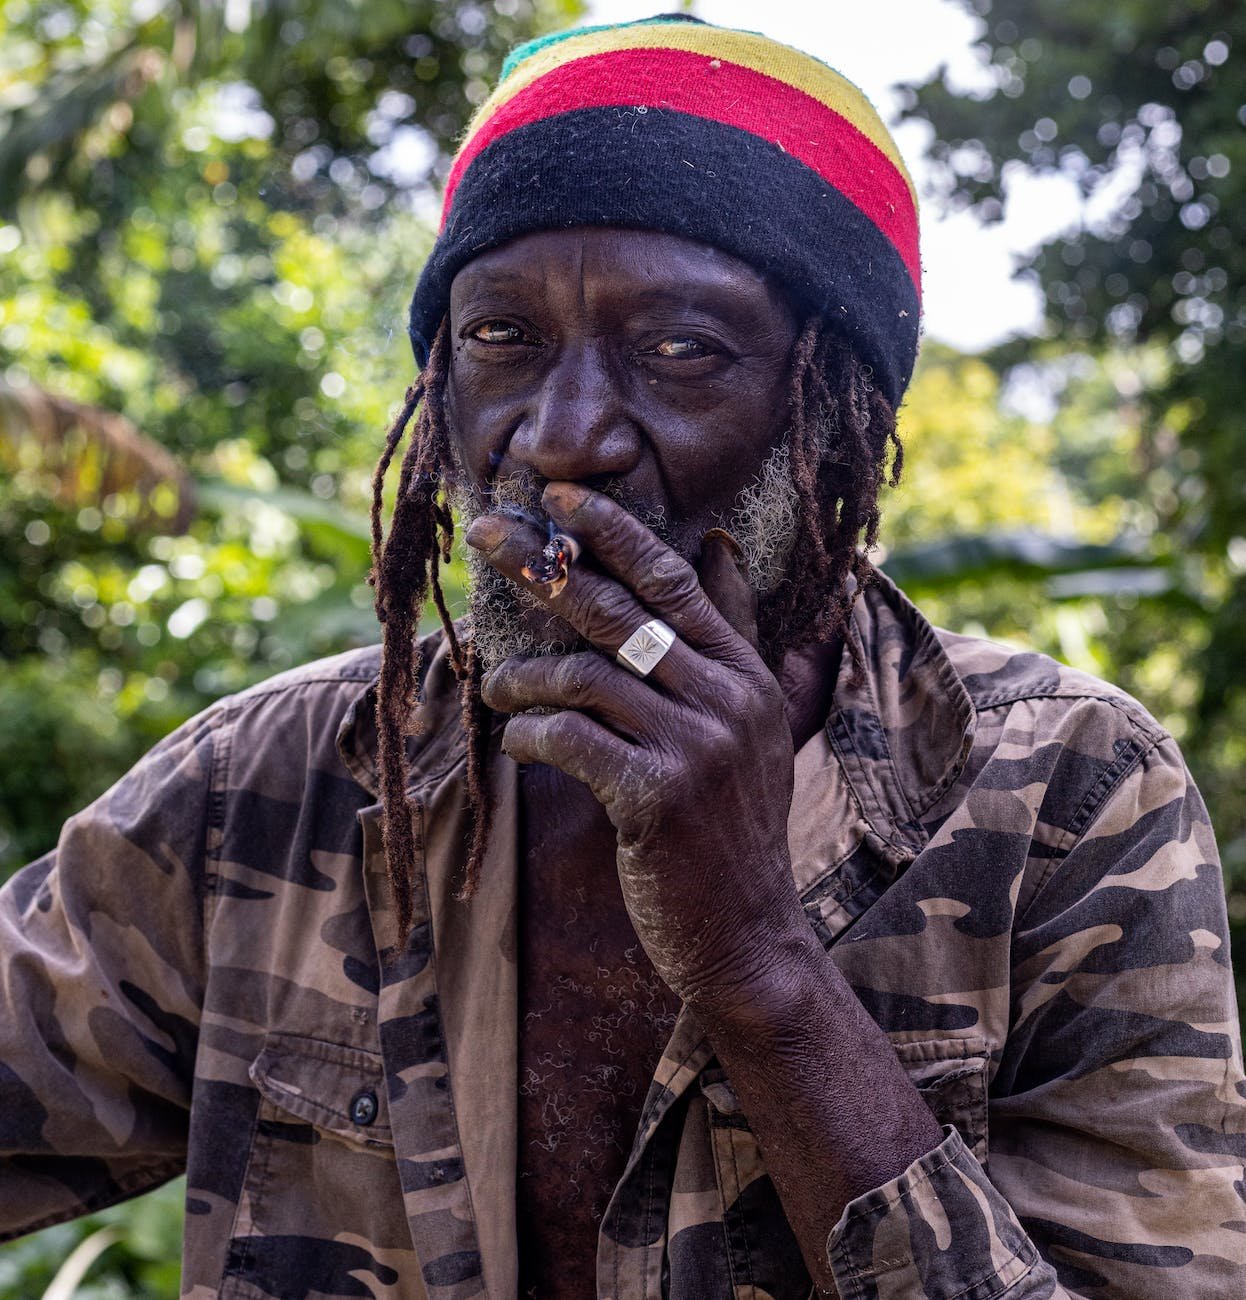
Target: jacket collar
[902,722]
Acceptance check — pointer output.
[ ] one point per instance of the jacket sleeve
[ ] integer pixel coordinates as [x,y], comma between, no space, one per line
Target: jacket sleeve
[101,978]
[1118,1109]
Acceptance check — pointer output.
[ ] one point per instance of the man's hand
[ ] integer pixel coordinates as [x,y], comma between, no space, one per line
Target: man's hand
[693,764]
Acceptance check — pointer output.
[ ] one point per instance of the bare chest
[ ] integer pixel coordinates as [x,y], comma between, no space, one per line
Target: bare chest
[594,1018]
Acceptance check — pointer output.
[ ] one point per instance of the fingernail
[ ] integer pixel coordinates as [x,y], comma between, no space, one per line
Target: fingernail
[722,535]
[488,532]
[564,499]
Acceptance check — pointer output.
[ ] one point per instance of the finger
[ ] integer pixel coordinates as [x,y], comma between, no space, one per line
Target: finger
[573,743]
[663,581]
[587,683]
[597,606]
[724,579]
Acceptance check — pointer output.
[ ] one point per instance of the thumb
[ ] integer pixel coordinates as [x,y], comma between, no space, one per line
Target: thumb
[724,579]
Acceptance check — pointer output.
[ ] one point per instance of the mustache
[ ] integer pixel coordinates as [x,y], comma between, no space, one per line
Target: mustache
[518,496]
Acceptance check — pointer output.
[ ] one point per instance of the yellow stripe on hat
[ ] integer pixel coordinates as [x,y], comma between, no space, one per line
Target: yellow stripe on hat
[747,49]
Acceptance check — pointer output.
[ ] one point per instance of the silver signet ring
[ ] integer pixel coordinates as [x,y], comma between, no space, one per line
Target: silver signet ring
[643,650]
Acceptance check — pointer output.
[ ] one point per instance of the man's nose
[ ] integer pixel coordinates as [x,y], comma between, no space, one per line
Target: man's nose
[578,425]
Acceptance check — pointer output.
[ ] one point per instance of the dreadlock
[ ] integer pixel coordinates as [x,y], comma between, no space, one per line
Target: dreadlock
[843,431]
[842,436]
[405,570]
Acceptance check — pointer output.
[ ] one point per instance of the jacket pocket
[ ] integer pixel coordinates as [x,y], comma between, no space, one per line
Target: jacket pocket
[321,1209]
[339,1090]
[952,1076]
[762,1252]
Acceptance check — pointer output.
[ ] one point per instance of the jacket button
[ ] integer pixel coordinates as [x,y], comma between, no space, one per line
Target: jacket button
[363,1108]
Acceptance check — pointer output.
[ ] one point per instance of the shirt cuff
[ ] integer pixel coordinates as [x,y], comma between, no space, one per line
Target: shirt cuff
[940,1230]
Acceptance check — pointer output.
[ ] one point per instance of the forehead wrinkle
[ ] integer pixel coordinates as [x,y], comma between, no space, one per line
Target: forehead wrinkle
[477,280]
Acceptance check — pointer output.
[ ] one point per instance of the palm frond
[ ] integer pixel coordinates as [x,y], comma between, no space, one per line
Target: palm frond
[92,455]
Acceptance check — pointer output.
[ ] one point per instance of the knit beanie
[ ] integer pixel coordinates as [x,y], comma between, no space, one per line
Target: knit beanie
[721,136]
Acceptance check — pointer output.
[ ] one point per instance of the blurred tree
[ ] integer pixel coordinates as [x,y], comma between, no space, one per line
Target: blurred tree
[1140,106]
[1031,529]
[351,95]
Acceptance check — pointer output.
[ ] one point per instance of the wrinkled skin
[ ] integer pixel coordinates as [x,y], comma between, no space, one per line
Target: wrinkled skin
[639,360]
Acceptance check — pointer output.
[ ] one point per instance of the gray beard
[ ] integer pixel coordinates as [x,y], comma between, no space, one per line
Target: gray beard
[762,520]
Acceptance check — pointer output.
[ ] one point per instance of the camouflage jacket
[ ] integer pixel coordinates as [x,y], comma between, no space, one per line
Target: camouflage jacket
[1007,859]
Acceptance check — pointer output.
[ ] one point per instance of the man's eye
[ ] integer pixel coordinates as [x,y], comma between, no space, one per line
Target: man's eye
[496,331]
[681,349]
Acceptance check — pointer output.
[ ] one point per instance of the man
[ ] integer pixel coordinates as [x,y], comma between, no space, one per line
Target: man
[901,956]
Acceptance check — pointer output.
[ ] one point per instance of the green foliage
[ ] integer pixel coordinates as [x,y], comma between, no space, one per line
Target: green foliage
[1140,105]
[1141,97]
[91,100]
[58,733]
[141,1259]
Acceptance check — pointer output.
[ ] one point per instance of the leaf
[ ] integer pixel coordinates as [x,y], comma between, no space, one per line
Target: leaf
[75,1268]
[93,454]
[1017,553]
[342,536]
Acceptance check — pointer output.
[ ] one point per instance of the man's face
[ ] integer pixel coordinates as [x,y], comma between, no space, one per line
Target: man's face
[644,365]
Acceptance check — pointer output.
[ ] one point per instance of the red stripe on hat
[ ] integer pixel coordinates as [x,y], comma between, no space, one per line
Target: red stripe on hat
[735,96]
